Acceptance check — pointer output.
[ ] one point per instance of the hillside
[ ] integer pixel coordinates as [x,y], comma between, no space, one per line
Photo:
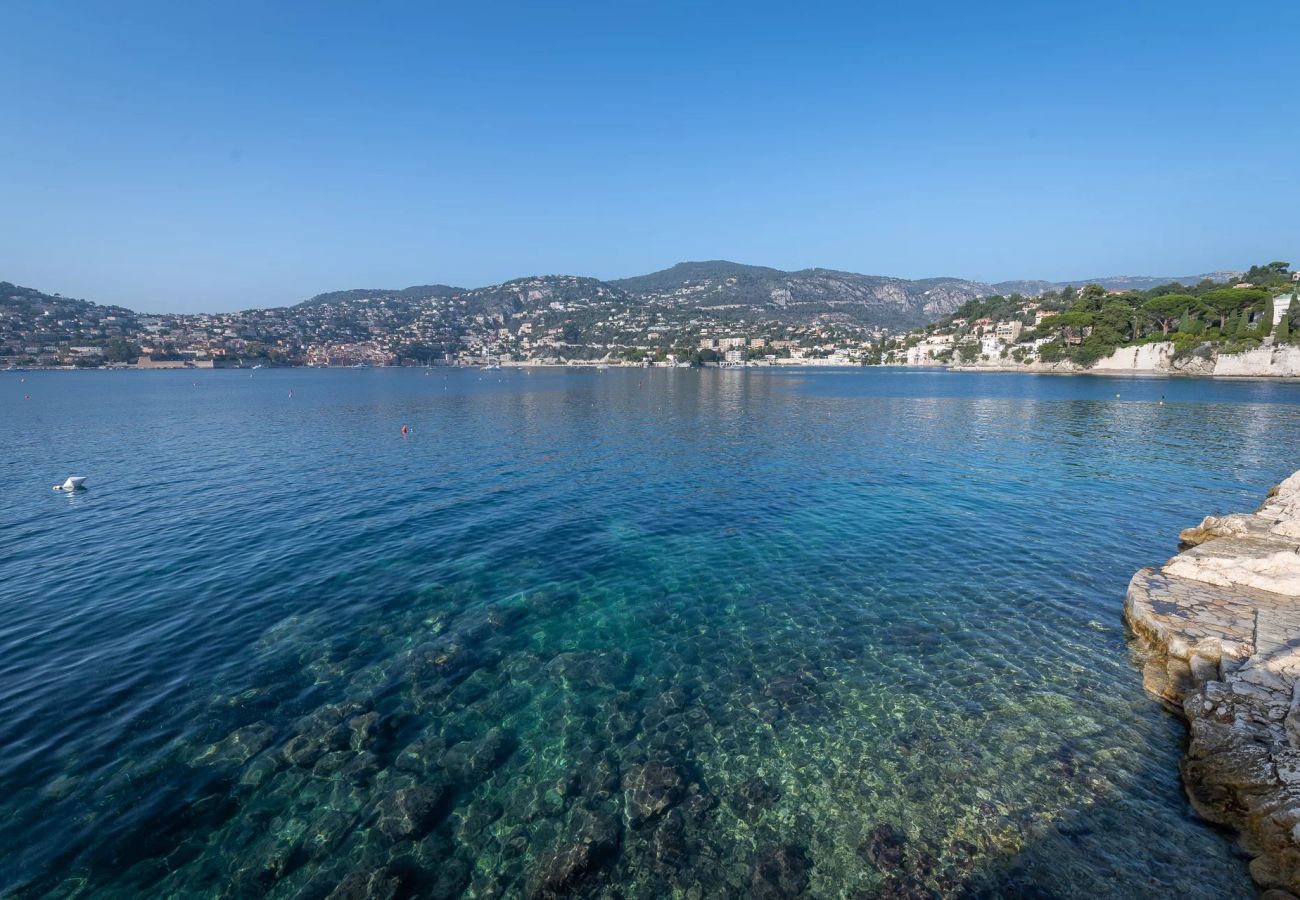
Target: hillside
[665,312]
[413,294]
[30,320]
[729,290]
[732,289]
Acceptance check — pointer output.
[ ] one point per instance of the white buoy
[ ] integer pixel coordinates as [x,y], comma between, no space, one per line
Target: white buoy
[73,483]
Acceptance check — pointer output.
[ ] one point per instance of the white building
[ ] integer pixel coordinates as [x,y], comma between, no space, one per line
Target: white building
[923,354]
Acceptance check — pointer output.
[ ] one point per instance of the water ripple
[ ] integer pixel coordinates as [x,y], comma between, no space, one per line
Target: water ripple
[689,633]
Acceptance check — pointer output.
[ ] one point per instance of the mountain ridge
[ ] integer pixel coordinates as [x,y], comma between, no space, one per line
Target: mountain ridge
[670,307]
[653,285]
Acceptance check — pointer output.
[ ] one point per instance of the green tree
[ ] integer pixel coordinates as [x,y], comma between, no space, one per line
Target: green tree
[1093,293]
[1119,317]
[1274,273]
[1223,302]
[1166,309]
[118,350]
[1066,323]
[1282,334]
[968,350]
[1190,325]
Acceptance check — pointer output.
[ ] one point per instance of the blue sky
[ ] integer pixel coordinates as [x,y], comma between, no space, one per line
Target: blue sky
[186,156]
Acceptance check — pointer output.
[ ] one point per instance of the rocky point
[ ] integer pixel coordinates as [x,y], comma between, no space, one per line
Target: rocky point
[1219,626]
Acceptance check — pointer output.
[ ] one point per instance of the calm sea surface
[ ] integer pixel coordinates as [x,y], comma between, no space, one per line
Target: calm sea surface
[627,633]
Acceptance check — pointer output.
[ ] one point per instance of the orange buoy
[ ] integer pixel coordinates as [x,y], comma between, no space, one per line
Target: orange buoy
[403,429]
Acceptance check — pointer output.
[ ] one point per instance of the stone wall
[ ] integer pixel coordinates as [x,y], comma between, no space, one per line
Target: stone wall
[1263,362]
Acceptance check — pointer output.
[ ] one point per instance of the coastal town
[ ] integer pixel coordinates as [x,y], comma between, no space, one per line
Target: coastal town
[573,321]
[545,321]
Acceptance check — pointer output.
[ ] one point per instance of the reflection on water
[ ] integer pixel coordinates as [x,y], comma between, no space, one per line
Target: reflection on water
[635,632]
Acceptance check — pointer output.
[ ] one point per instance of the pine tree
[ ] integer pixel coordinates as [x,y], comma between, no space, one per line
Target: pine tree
[1243,326]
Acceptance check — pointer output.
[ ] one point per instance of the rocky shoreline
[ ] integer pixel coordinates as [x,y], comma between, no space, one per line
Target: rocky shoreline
[1161,358]
[1218,628]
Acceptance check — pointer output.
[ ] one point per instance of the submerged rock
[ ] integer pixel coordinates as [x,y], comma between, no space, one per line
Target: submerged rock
[792,691]
[779,872]
[560,871]
[377,885]
[649,790]
[238,747]
[421,756]
[410,812]
[752,797]
[474,760]
[364,729]
[304,749]
[885,848]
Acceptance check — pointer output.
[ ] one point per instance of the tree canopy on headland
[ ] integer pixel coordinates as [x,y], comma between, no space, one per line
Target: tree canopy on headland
[1088,324]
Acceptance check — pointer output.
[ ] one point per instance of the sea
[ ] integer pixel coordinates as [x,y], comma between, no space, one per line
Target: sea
[624,633]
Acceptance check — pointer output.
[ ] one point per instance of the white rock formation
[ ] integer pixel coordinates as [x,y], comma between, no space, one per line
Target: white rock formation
[1145,358]
[1220,629]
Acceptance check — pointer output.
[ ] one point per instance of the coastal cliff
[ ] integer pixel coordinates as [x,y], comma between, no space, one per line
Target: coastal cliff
[1218,627]
[1275,361]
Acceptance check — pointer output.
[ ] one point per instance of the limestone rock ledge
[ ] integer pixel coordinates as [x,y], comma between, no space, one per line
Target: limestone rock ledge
[1219,630]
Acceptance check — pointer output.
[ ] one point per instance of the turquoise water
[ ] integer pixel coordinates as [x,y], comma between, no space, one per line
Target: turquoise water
[621,634]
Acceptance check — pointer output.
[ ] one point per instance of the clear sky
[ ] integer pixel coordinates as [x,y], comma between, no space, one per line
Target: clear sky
[187,156]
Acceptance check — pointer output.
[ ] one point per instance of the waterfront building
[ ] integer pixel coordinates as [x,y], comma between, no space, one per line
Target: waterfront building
[1009,331]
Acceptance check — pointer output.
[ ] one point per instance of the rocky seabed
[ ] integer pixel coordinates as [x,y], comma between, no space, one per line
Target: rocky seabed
[1218,627]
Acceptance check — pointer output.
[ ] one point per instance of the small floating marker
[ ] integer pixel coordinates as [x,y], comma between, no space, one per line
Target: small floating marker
[73,483]
[403,429]
[1117,396]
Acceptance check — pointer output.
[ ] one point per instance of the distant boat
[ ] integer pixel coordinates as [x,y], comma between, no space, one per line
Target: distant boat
[259,366]
[360,366]
[490,366]
[73,483]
